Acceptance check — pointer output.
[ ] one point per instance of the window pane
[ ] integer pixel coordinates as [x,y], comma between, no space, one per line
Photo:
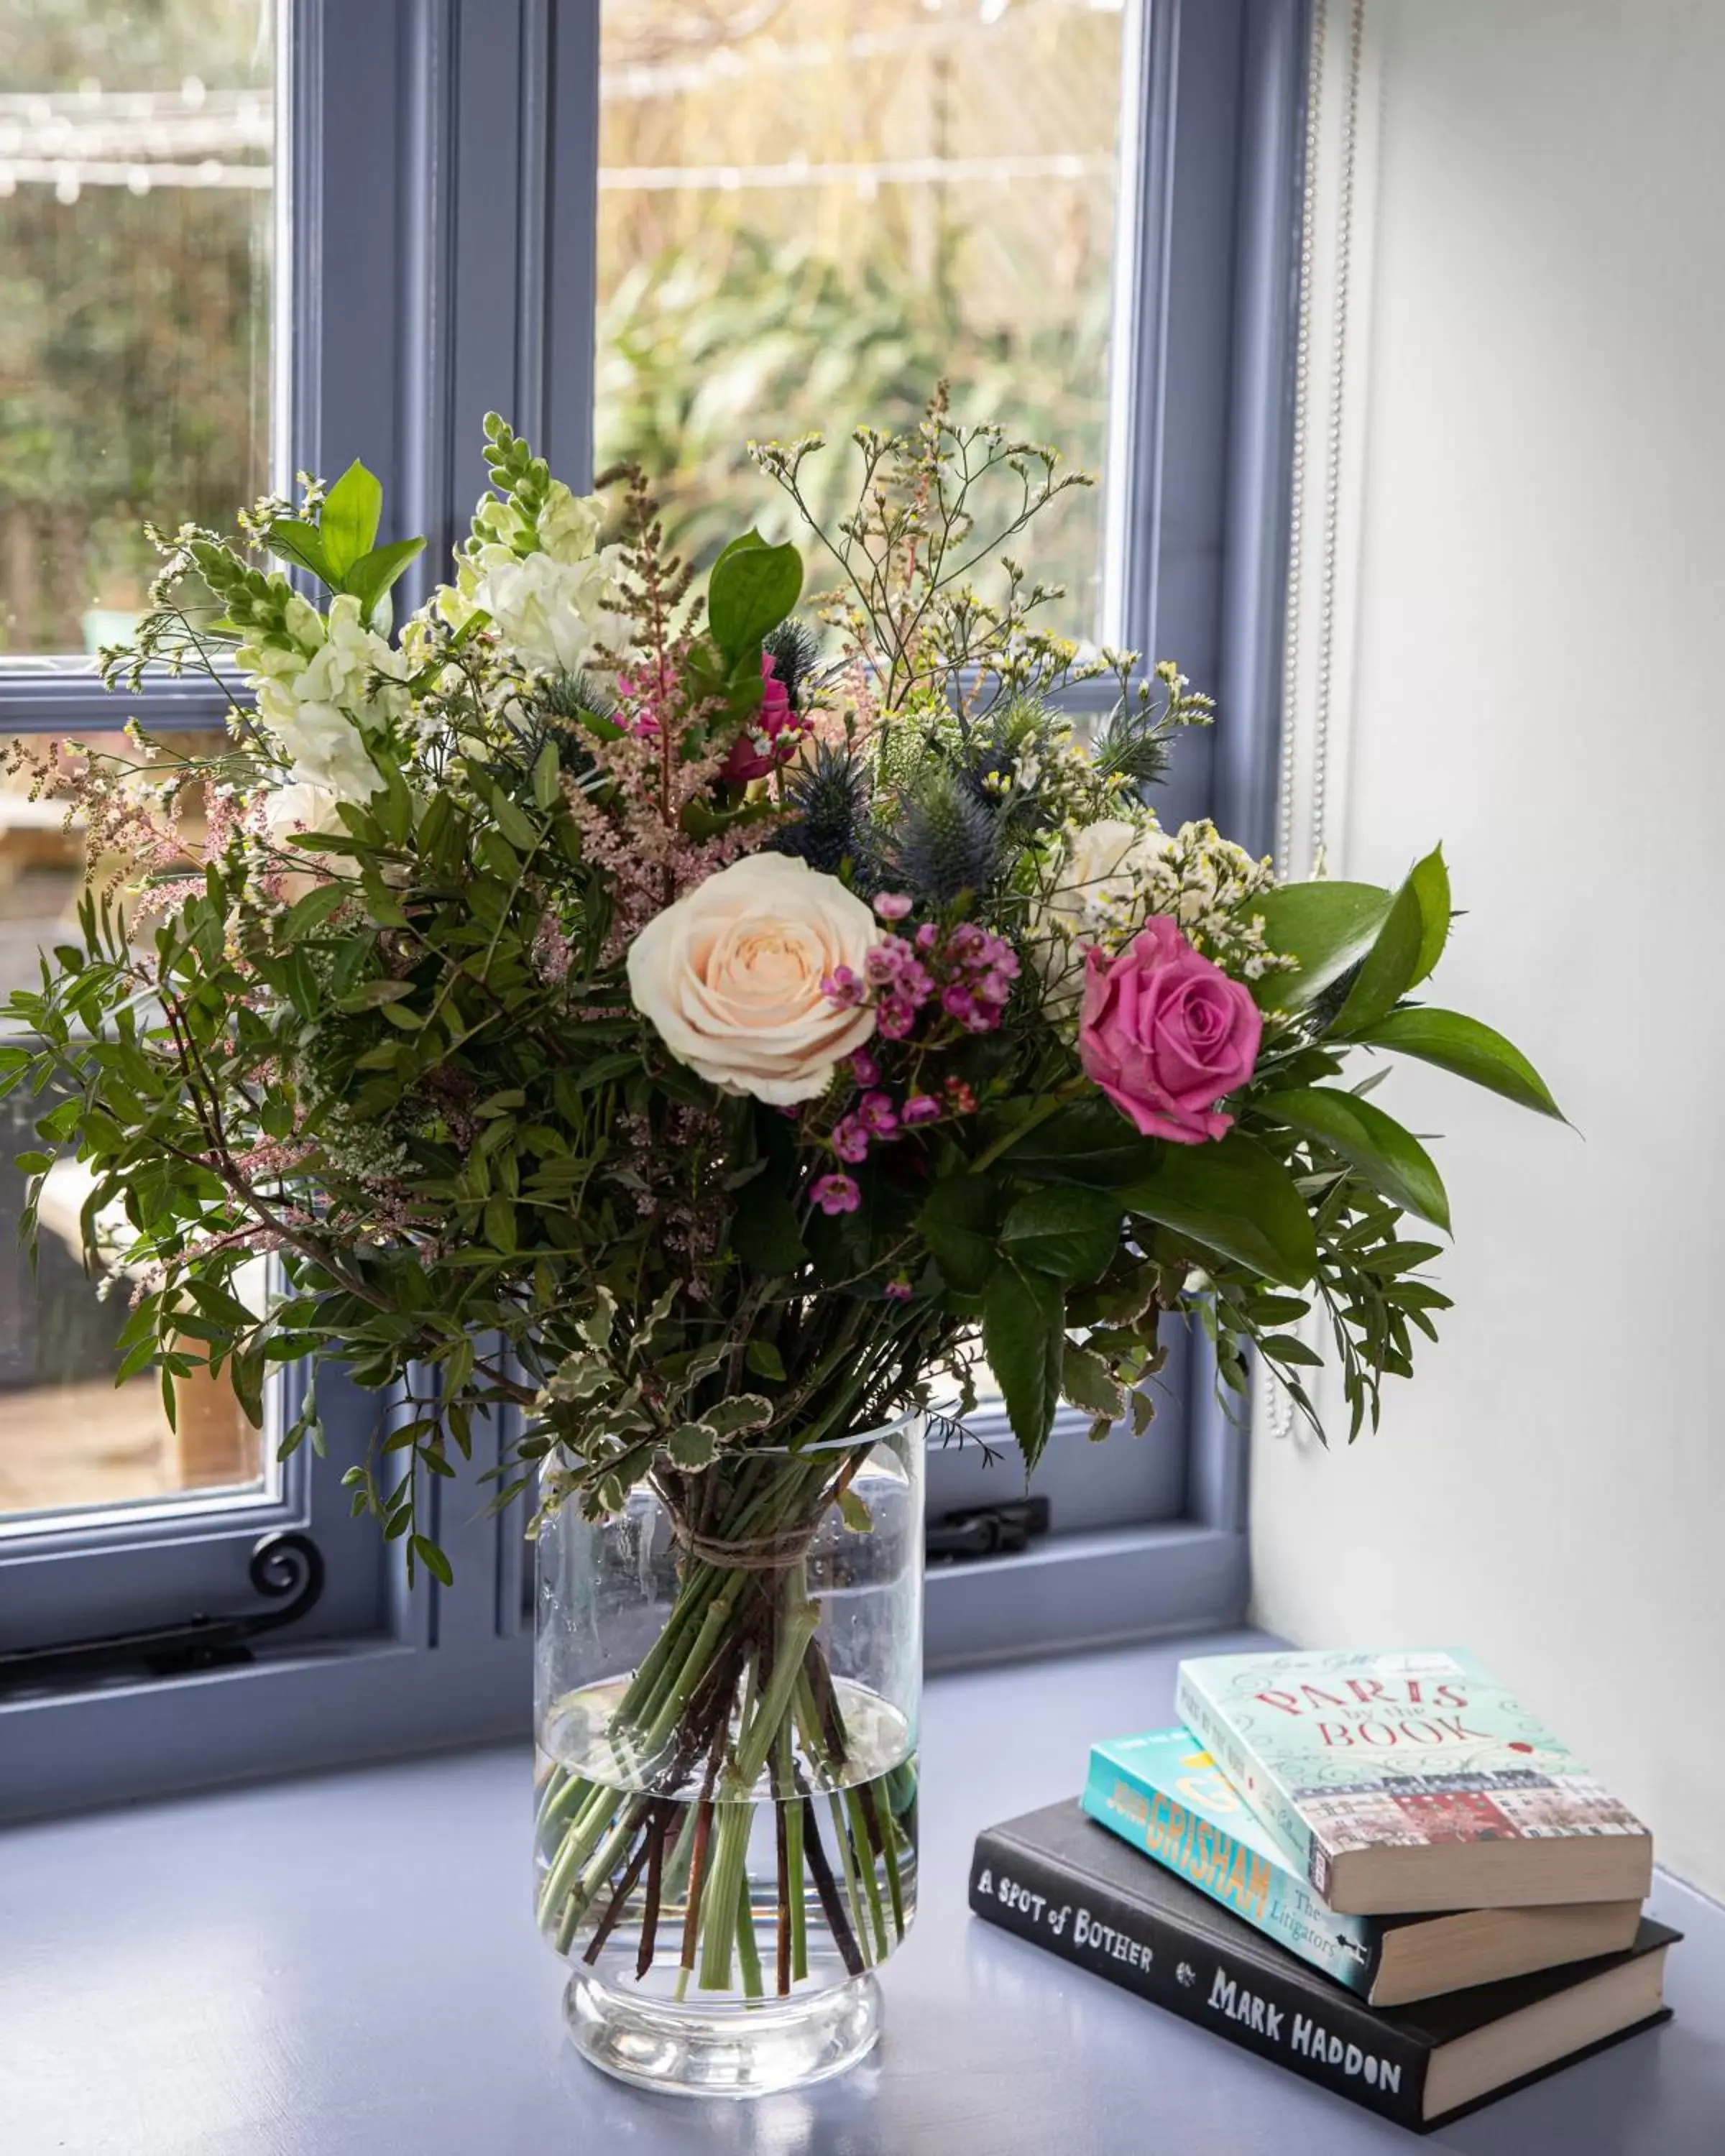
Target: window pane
[135,206]
[811,211]
[68,1437]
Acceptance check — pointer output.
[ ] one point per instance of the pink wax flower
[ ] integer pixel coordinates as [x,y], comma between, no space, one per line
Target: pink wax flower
[919,1108]
[1165,1033]
[837,1194]
[927,935]
[894,1018]
[897,1291]
[864,1068]
[771,737]
[892,906]
[850,1138]
[842,986]
[876,1114]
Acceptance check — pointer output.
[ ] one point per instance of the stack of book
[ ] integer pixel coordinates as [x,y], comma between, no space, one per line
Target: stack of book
[1376,1869]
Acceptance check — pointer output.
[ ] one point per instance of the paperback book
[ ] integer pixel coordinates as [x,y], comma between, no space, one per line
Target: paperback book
[1411,1781]
[1163,1793]
[1057,1879]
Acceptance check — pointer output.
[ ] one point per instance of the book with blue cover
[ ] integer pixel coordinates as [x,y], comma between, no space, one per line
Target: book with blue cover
[1163,1794]
[1410,1781]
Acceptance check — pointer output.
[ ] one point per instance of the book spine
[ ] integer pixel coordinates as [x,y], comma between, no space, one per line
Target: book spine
[1203,1853]
[1249,1774]
[1315,2030]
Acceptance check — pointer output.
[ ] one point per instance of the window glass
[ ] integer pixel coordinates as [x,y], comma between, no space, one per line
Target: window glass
[136,318]
[68,1437]
[811,210]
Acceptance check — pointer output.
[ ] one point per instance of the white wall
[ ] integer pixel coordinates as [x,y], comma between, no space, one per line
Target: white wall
[1537,677]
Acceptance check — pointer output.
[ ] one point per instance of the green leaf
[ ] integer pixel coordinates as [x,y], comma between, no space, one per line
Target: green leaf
[1390,1158]
[375,573]
[1389,968]
[741,1411]
[1089,1143]
[347,523]
[1232,1197]
[433,1558]
[691,1446]
[1470,1049]
[958,1224]
[292,539]
[764,1359]
[1073,1233]
[33,1164]
[500,1225]
[1087,1382]
[858,1519]
[547,771]
[313,910]
[1327,927]
[1430,879]
[765,1233]
[752,588]
[1283,1348]
[1023,1338]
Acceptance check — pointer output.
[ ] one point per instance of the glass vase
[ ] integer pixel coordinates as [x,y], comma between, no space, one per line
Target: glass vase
[728,1675]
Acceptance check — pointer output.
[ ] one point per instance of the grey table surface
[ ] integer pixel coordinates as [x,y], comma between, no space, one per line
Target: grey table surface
[345,1966]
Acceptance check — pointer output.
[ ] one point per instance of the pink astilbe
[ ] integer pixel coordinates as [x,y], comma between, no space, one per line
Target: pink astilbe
[637,837]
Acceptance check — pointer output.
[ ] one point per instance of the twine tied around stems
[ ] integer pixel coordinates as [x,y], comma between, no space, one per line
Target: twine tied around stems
[748,1552]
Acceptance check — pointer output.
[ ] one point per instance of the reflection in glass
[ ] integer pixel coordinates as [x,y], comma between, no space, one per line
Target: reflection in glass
[809,213]
[68,1437]
[135,207]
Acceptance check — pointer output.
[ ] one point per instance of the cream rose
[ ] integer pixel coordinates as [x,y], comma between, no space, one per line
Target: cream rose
[731,977]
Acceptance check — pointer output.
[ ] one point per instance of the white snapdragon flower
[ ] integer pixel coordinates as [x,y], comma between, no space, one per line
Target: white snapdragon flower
[552,592]
[304,808]
[1101,894]
[318,711]
[569,524]
[551,614]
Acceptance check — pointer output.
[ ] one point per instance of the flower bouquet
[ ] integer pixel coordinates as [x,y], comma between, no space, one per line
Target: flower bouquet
[716,1035]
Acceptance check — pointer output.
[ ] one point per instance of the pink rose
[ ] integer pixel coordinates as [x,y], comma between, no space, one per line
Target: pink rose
[770,737]
[1165,1033]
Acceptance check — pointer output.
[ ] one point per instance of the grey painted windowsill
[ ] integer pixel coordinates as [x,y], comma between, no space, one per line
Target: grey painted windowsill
[345,1965]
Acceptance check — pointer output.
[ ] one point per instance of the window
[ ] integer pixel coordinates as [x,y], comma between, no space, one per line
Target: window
[137,208]
[807,213]
[651,228]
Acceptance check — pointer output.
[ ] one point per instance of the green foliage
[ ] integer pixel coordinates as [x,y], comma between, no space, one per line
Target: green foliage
[402,1054]
[337,544]
[1463,1046]
[1329,928]
[752,589]
[1374,1145]
[1232,1197]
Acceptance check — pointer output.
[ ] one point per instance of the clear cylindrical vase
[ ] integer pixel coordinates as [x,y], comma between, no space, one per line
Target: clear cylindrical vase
[728,1677]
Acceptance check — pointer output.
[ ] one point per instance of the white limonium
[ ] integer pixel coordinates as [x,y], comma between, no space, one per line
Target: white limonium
[1109,877]
[552,591]
[1097,894]
[318,696]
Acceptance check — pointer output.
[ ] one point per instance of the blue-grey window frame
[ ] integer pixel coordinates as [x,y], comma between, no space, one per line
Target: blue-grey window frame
[442,163]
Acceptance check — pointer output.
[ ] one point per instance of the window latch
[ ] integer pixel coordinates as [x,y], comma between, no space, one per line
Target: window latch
[286,1569]
[999,1530]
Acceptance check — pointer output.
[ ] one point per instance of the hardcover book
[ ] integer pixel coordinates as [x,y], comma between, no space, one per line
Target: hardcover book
[1061,1881]
[1413,1781]
[1164,1794]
